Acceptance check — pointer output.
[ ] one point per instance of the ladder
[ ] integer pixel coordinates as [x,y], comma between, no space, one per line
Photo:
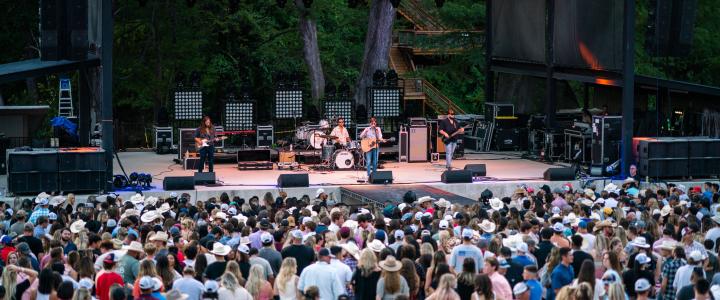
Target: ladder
[65,103]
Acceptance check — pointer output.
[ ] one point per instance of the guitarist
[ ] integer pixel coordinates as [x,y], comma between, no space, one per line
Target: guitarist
[206,131]
[451,131]
[371,157]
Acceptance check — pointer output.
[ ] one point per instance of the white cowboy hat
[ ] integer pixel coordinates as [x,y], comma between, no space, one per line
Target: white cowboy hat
[134,246]
[487,226]
[41,196]
[165,207]
[77,226]
[137,199]
[376,246]
[160,236]
[220,215]
[443,203]
[611,188]
[241,218]
[352,224]
[587,202]
[628,180]
[390,264]
[130,212]
[665,210]
[571,219]
[424,199]
[496,204]
[640,242]
[668,245]
[352,249]
[590,194]
[151,201]
[319,192]
[245,240]
[57,200]
[150,216]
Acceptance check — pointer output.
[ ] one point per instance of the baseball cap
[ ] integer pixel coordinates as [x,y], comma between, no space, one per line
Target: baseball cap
[211,286]
[380,235]
[297,234]
[582,224]
[324,252]
[146,283]
[642,258]
[443,224]
[399,234]
[520,288]
[467,233]
[642,285]
[86,283]
[558,227]
[5,239]
[504,264]
[266,238]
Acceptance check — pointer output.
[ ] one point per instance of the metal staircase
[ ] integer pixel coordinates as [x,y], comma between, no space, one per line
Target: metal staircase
[65,103]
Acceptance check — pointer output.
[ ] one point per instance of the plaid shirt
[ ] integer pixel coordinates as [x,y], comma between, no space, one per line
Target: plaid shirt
[352,263]
[669,269]
[38,212]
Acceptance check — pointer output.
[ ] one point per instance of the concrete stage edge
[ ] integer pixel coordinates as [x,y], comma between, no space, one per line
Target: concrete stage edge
[506,171]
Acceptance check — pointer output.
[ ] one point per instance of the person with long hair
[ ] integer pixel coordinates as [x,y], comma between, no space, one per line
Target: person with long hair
[200,265]
[257,285]
[82,294]
[438,258]
[230,289]
[391,284]
[446,288]
[16,281]
[366,276]
[614,289]
[483,288]
[587,275]
[466,279]
[410,274]
[65,290]
[286,281]
[46,285]
[611,261]
[638,271]
[234,268]
[165,272]
[147,268]
[204,141]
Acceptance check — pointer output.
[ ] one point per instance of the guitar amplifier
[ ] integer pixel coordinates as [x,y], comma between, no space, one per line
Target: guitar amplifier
[265,136]
[403,145]
[418,144]
[186,142]
[221,143]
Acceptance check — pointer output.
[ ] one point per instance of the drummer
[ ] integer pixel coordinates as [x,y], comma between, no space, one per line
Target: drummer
[340,133]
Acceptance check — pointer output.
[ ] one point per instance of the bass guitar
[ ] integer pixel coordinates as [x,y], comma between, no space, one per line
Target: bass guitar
[458,132]
[368,144]
[206,142]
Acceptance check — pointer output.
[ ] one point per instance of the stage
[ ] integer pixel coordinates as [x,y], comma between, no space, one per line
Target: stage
[506,171]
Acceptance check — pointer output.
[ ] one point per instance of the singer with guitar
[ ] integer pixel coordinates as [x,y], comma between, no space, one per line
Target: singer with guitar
[372,136]
[450,131]
[204,143]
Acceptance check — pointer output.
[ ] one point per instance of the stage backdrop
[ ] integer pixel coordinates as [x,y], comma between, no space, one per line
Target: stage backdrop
[588,34]
[518,30]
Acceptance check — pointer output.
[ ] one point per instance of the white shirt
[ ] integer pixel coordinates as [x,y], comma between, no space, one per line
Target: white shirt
[341,133]
[713,234]
[324,276]
[333,227]
[588,242]
[682,277]
[240,294]
[344,273]
[370,133]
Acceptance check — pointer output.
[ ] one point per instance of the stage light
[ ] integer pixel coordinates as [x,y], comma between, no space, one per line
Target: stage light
[288,103]
[120,181]
[239,115]
[339,108]
[195,78]
[133,177]
[307,3]
[385,102]
[281,3]
[144,179]
[391,78]
[330,91]
[179,79]
[395,3]
[378,78]
[188,104]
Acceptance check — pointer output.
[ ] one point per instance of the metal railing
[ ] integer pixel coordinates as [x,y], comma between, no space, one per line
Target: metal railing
[433,96]
[417,14]
[451,41]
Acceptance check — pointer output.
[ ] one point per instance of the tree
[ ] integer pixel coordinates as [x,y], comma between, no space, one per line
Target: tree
[311,51]
[377,46]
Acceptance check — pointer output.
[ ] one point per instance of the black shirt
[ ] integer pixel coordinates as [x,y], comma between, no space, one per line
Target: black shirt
[21,288]
[514,273]
[34,243]
[304,255]
[215,270]
[365,287]
[450,128]
[579,257]
[542,252]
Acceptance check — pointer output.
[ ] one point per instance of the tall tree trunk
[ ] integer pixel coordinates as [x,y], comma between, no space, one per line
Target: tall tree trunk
[377,46]
[311,52]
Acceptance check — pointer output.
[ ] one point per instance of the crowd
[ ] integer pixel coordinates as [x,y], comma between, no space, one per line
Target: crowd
[618,242]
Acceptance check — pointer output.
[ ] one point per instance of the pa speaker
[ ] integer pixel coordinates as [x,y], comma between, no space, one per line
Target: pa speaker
[457,176]
[555,174]
[204,178]
[381,177]
[293,180]
[174,183]
[478,170]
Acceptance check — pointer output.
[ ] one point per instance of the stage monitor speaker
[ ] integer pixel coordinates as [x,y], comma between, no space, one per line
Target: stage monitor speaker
[557,174]
[52,43]
[204,178]
[77,29]
[293,180]
[478,170]
[174,183]
[381,177]
[457,176]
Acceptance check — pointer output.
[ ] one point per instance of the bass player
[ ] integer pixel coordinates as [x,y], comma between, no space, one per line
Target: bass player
[451,131]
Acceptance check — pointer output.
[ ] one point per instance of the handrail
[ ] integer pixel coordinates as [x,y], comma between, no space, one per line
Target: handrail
[436,98]
[410,9]
[447,40]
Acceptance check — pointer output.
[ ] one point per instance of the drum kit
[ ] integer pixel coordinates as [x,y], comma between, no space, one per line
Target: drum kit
[339,156]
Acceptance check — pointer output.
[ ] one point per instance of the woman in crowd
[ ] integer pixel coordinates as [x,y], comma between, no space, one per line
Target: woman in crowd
[391,284]
[286,280]
[366,276]
[256,284]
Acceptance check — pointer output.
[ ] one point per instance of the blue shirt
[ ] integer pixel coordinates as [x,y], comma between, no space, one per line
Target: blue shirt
[561,276]
[535,289]
[523,260]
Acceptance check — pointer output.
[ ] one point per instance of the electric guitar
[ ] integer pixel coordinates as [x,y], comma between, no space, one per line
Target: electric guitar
[368,144]
[205,142]
[459,131]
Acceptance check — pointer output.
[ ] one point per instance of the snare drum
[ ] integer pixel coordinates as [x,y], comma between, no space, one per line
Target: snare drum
[352,145]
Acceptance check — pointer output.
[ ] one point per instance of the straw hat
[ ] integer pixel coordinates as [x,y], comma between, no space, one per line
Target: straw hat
[352,249]
[665,210]
[160,236]
[241,218]
[603,224]
[134,246]
[77,226]
[443,203]
[496,204]
[376,246]
[487,226]
[587,202]
[390,264]
[129,212]
[137,199]
[220,249]
[590,194]
[220,215]
[150,216]
[611,188]
[176,295]
[57,200]
[41,196]
[668,245]
[424,199]
[640,242]
[151,201]
[628,180]
[165,207]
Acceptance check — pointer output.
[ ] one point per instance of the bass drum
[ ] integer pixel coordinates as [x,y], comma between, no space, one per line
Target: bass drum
[343,159]
[314,139]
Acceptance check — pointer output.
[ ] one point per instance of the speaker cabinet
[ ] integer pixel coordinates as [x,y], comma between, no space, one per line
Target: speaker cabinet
[293,180]
[478,170]
[457,176]
[33,182]
[557,174]
[37,160]
[381,177]
[82,181]
[204,178]
[174,183]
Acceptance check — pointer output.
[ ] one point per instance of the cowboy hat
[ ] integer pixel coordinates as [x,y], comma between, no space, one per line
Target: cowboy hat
[424,199]
[628,180]
[611,188]
[137,199]
[640,242]
[150,216]
[134,246]
[241,218]
[41,196]
[587,202]
[496,204]
[352,249]
[590,194]
[160,236]
[487,226]
[376,246]
[668,245]
[220,249]
[57,200]
[176,295]
[442,203]
[77,226]
[603,224]
[352,224]
[150,200]
[129,212]
[165,207]
[390,264]
[220,215]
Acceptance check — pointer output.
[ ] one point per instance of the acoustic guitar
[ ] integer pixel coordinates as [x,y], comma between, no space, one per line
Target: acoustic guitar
[368,144]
